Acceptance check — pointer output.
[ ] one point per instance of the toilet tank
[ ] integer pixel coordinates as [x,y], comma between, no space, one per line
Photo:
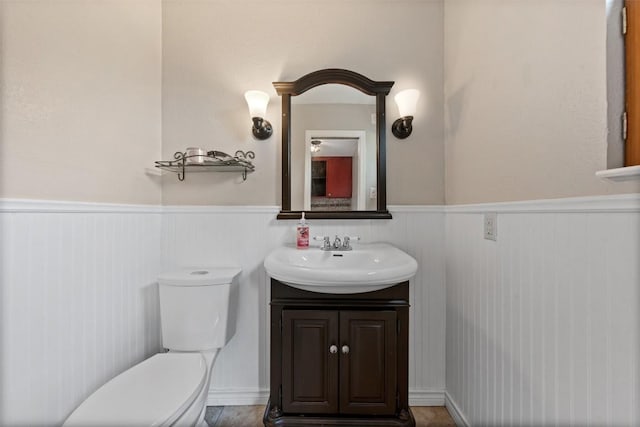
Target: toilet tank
[198,307]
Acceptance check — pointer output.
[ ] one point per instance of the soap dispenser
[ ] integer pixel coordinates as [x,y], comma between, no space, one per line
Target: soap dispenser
[302,234]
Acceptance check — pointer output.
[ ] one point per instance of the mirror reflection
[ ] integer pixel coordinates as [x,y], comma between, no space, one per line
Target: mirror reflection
[333,150]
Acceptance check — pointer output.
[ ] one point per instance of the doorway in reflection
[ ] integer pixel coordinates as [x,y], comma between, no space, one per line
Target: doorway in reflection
[335,170]
[331,183]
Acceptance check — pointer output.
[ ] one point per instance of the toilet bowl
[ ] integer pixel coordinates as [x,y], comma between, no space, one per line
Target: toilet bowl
[170,389]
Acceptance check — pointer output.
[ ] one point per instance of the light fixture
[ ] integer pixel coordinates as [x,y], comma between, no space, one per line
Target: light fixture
[406,100]
[315,145]
[257,102]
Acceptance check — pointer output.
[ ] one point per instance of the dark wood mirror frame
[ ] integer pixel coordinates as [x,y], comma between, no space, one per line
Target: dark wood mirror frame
[357,81]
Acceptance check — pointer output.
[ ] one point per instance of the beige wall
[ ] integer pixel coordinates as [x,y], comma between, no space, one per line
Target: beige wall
[525,100]
[214,51]
[80,100]
[526,95]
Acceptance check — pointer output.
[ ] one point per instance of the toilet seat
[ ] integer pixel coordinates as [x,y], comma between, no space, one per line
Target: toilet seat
[155,392]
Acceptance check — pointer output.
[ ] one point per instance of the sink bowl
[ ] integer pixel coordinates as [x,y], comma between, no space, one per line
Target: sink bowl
[368,267]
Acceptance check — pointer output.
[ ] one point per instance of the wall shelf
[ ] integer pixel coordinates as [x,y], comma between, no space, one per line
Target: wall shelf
[628,173]
[213,161]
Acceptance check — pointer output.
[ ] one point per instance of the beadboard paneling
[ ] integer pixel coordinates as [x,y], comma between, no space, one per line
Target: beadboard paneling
[243,237]
[79,299]
[543,325]
[79,303]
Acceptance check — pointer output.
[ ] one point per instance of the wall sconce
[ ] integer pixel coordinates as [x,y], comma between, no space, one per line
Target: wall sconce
[257,102]
[406,100]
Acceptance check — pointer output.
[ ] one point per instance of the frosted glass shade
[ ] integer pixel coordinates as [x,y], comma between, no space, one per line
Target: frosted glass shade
[257,102]
[407,100]
[315,145]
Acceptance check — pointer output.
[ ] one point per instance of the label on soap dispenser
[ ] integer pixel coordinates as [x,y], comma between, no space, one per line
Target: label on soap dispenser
[302,236]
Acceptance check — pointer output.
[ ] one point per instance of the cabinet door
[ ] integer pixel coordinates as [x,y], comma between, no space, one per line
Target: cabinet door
[309,368]
[339,181]
[368,356]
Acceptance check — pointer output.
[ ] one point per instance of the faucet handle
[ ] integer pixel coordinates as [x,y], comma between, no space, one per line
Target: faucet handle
[346,241]
[326,241]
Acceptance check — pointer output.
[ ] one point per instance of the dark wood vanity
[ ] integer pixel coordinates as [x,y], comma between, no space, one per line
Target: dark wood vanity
[339,359]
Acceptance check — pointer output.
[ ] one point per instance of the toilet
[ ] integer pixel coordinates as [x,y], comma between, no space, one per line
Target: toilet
[170,389]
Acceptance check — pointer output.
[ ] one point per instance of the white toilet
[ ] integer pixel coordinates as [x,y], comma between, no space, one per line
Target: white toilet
[170,389]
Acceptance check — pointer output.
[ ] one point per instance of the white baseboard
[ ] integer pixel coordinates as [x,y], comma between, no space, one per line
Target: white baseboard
[255,396]
[455,411]
[426,397]
[236,397]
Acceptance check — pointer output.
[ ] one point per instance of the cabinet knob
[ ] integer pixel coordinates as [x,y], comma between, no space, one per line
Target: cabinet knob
[345,349]
[333,349]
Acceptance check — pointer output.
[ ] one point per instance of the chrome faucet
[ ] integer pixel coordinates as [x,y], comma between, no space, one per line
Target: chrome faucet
[338,244]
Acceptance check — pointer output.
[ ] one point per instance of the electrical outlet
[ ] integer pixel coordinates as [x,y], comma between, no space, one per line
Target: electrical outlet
[491,226]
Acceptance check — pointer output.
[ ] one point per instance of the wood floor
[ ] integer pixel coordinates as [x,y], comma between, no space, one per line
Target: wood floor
[251,416]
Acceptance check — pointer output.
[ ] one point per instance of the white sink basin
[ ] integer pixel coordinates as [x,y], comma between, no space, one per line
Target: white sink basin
[368,267]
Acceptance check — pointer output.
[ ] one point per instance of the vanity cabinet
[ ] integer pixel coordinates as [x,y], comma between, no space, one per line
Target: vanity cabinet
[339,359]
[353,355]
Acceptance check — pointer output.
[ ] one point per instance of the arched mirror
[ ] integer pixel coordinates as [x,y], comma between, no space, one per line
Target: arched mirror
[333,146]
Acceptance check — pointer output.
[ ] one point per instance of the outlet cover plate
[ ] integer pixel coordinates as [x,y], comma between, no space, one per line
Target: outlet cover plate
[491,226]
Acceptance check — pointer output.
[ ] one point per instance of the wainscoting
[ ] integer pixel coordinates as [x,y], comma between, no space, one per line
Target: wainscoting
[78,304]
[79,295]
[543,325]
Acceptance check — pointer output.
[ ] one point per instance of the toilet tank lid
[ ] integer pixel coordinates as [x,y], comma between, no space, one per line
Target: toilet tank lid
[205,276]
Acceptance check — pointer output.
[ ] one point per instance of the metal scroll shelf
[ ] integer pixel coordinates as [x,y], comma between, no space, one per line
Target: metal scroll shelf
[214,161]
